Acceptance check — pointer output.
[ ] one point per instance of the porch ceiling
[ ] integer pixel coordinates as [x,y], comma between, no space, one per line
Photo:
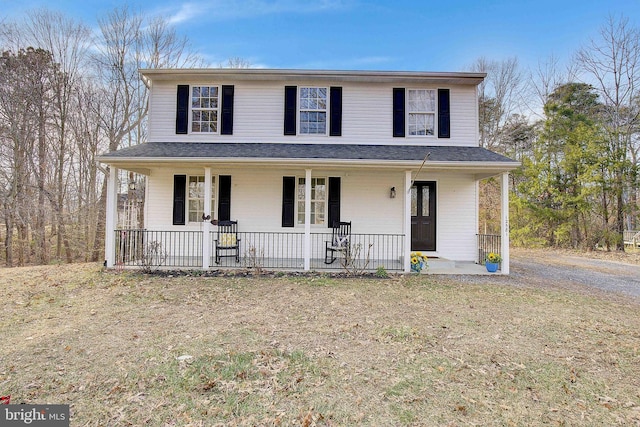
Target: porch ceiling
[476,160]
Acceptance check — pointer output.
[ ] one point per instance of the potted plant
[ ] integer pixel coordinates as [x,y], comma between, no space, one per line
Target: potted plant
[418,262]
[492,262]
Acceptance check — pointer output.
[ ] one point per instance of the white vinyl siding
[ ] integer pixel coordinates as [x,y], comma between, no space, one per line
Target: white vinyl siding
[258,115]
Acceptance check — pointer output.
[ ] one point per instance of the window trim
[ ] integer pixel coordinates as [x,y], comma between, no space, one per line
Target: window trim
[325,201]
[433,113]
[326,110]
[214,198]
[218,109]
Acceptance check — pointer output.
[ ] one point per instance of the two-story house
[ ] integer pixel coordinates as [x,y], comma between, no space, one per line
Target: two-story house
[288,153]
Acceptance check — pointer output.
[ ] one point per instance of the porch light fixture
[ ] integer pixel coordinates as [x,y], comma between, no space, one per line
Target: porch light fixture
[392,193]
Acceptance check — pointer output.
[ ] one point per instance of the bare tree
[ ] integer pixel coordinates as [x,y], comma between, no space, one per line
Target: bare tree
[498,97]
[498,100]
[546,78]
[24,90]
[125,46]
[68,43]
[235,62]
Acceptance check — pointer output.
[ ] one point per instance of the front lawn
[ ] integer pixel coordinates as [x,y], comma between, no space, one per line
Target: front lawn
[131,349]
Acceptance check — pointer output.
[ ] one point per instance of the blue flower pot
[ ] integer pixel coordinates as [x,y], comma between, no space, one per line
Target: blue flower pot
[492,267]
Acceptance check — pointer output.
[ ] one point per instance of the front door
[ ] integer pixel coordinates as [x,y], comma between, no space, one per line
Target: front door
[423,216]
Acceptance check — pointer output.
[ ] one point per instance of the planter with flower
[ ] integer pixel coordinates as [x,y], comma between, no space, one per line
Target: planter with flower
[492,262]
[418,262]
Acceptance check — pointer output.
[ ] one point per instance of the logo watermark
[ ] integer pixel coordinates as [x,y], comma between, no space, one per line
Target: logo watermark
[34,415]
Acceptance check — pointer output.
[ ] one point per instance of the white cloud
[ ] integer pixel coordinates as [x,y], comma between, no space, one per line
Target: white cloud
[237,9]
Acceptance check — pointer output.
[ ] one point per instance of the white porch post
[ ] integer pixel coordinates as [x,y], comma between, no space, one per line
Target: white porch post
[110,217]
[407,222]
[307,220]
[504,227]
[206,226]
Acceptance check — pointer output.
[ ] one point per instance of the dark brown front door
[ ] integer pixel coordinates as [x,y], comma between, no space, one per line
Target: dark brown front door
[423,216]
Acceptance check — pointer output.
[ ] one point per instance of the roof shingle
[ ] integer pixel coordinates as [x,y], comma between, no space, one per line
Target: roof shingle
[329,152]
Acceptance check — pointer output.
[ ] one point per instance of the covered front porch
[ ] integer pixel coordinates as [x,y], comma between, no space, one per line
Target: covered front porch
[375,193]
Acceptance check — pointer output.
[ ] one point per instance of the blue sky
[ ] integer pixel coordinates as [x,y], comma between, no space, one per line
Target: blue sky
[446,35]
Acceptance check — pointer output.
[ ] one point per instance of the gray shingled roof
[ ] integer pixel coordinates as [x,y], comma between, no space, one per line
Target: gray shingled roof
[189,150]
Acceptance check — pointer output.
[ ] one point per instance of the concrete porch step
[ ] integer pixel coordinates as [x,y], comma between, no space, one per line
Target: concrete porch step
[436,264]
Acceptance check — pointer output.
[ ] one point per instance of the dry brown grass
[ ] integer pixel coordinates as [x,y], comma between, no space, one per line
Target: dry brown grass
[315,350]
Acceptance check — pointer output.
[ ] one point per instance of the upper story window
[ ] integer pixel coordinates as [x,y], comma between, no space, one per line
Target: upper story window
[421,109]
[196,197]
[204,109]
[313,110]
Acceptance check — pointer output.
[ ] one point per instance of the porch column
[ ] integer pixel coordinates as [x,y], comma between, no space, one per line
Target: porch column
[206,225]
[407,222]
[307,220]
[504,226]
[110,217]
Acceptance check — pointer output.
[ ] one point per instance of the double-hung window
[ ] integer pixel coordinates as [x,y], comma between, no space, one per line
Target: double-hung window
[313,110]
[318,200]
[204,109]
[421,105]
[196,197]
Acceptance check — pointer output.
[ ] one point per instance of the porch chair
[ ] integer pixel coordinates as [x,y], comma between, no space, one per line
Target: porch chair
[227,242]
[340,241]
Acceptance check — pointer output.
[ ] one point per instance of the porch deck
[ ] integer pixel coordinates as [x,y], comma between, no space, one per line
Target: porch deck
[265,250]
[275,251]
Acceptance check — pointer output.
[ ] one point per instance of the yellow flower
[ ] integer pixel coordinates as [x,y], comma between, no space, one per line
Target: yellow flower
[414,260]
[494,257]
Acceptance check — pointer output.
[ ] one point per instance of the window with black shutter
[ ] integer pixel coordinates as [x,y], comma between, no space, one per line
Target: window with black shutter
[444,120]
[179,195]
[290,109]
[333,201]
[335,111]
[226,124]
[398,112]
[288,201]
[224,198]
[182,110]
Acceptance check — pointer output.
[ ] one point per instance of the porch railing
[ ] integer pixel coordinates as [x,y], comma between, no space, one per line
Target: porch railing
[488,243]
[632,238]
[142,248]
[267,250]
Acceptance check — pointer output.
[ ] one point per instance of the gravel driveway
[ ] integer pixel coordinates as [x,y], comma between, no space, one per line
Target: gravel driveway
[605,275]
[556,269]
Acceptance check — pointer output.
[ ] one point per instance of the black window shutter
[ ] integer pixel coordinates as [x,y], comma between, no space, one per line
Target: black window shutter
[288,200]
[398,112]
[224,198]
[179,194]
[182,109]
[290,109]
[226,124]
[444,120]
[335,111]
[334,200]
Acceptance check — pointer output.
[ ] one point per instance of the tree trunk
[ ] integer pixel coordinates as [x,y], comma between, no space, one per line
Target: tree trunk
[41,246]
[100,222]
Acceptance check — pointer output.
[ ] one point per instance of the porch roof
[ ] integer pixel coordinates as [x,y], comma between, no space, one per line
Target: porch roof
[441,157]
